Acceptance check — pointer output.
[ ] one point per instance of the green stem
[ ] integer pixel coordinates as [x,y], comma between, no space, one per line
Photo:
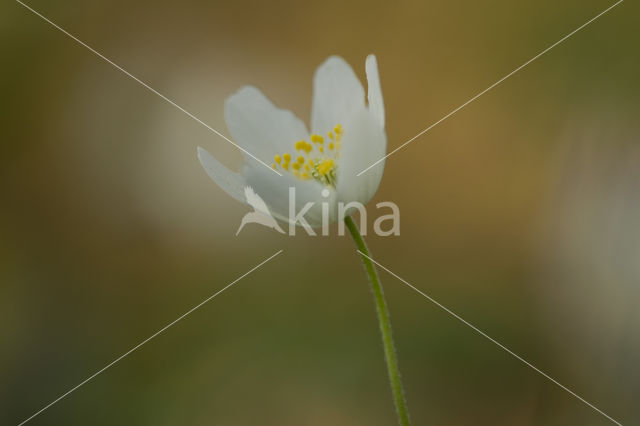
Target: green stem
[385,325]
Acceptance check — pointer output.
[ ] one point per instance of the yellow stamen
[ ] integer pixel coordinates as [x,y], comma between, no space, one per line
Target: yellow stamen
[307,147]
[325,167]
[310,160]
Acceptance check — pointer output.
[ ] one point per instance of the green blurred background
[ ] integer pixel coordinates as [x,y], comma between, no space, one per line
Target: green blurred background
[521,213]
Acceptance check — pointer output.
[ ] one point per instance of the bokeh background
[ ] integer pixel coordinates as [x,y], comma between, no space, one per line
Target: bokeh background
[521,213]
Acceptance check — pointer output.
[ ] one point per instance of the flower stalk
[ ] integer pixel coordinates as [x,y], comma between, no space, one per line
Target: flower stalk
[385,324]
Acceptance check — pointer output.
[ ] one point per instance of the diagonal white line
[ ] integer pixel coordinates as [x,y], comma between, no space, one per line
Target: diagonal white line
[151,89]
[149,338]
[492,86]
[482,333]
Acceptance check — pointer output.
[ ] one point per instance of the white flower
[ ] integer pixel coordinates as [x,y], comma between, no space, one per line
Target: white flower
[346,137]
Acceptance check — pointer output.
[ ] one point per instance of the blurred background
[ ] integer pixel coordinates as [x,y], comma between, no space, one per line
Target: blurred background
[521,213]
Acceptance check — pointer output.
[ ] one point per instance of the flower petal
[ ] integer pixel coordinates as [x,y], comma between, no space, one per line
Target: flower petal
[259,126]
[364,142]
[232,183]
[337,94]
[274,190]
[374,92]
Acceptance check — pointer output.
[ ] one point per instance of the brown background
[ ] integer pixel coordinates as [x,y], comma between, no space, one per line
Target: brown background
[520,213]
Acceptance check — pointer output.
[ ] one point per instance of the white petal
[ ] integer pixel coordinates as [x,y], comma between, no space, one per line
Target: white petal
[337,94]
[232,183]
[274,190]
[260,127]
[363,143]
[374,92]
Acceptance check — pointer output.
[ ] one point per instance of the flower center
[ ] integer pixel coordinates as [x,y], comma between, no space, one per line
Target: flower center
[313,160]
